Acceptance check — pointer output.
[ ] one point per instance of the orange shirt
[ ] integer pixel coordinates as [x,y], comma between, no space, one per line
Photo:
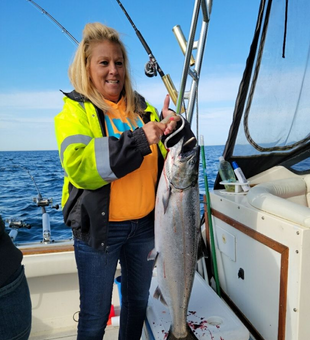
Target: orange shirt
[132,196]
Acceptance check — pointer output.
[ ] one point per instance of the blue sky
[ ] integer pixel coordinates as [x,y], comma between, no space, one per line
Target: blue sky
[35,56]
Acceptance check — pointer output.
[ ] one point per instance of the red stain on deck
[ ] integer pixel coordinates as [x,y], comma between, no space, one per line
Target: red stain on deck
[202,325]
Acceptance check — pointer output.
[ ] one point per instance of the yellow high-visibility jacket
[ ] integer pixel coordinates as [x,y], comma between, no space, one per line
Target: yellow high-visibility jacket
[91,160]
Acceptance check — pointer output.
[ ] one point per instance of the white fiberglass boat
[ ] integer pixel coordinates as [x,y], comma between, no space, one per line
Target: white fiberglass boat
[259,240]
[52,277]
[262,237]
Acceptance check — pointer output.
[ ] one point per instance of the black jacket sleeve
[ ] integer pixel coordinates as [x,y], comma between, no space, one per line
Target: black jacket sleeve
[10,257]
[127,152]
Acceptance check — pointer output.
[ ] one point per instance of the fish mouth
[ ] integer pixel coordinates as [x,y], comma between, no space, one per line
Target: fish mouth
[189,149]
[185,150]
[189,145]
[191,155]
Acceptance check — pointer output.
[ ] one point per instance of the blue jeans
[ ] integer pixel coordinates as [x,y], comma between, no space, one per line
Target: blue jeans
[15,308]
[130,242]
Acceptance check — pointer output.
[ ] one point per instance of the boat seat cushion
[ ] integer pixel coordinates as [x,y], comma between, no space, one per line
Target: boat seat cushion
[285,198]
[307,180]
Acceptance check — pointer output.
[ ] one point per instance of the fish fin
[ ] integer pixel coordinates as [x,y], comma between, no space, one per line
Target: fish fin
[202,250]
[190,335]
[165,199]
[152,255]
[158,295]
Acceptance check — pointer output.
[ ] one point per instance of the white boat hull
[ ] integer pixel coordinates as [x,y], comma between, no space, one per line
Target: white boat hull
[52,278]
[264,264]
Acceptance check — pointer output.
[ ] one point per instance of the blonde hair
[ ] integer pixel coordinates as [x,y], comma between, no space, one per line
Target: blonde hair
[79,72]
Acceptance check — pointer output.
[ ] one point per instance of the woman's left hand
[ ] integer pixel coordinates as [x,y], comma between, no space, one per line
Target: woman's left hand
[170,118]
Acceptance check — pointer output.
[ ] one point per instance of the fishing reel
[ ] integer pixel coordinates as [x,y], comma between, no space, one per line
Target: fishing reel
[44,202]
[150,68]
[15,225]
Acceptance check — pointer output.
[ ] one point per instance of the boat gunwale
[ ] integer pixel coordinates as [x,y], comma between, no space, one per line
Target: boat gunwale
[37,249]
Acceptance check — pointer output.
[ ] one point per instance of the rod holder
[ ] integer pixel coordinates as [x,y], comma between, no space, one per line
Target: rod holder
[182,41]
[171,89]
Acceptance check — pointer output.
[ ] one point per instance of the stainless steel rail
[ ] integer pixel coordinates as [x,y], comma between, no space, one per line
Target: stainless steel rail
[204,8]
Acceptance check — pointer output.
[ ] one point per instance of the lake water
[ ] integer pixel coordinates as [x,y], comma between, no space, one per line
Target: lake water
[22,171]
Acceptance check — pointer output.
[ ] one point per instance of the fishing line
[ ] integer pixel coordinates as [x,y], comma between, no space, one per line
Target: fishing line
[25,169]
[40,201]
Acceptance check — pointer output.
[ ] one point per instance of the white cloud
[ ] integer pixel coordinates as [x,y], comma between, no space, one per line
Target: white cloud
[27,120]
[30,114]
[216,89]
[27,133]
[212,89]
[31,100]
[9,122]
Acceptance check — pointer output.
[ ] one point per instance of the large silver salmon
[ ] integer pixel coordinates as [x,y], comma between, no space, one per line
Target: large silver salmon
[177,229]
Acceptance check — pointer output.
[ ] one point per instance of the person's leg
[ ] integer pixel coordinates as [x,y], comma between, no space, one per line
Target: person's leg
[96,271]
[136,278]
[15,308]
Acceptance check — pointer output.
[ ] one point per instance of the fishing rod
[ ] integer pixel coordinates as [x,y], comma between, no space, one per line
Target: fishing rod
[152,66]
[55,21]
[43,202]
[40,202]
[209,214]
[14,226]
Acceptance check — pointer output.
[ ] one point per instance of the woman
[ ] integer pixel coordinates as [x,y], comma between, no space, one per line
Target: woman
[15,303]
[109,144]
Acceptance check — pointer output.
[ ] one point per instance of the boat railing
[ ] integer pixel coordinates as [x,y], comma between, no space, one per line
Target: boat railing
[192,66]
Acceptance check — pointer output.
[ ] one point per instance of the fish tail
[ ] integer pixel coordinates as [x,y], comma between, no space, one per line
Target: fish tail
[190,335]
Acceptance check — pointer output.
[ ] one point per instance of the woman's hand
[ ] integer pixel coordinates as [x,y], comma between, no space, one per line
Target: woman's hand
[170,118]
[154,130]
